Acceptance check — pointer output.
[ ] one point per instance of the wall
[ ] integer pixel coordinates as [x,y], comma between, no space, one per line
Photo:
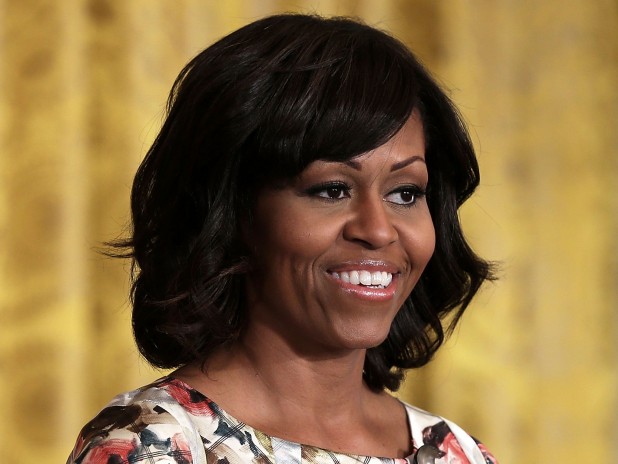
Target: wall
[532,368]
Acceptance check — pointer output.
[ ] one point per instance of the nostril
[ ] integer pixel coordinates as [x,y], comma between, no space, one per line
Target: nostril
[372,227]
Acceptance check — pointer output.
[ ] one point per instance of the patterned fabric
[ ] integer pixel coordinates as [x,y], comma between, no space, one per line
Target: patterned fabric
[169,422]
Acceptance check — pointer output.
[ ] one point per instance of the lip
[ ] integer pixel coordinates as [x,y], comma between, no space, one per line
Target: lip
[372,294]
[370,265]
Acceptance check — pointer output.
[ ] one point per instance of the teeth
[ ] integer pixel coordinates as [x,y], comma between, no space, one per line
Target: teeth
[366,278]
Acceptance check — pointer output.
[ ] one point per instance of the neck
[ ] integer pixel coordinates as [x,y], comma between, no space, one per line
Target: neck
[317,398]
[318,382]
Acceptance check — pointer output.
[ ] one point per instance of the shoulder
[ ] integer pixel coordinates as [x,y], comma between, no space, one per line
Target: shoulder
[452,441]
[154,423]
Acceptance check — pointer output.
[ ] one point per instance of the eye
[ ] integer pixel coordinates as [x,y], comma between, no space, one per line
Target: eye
[330,191]
[406,195]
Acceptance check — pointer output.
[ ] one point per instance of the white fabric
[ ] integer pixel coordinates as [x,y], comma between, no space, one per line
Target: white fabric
[161,397]
[418,416]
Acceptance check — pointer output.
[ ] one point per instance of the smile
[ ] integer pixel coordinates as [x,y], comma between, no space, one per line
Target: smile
[377,279]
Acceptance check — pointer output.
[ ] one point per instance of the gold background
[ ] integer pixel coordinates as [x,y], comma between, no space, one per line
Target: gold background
[532,368]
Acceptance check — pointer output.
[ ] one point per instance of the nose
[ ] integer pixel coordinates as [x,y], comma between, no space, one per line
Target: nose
[370,224]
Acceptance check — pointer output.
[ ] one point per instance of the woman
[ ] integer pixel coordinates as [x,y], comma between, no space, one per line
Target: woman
[296,243]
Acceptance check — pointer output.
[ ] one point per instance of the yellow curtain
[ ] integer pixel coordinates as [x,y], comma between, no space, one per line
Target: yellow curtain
[532,368]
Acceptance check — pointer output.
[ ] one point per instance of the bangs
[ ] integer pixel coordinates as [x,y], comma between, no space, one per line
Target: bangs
[332,97]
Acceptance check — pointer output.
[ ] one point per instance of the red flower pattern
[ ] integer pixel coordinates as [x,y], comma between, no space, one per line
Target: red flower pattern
[453,450]
[193,401]
[110,451]
[180,447]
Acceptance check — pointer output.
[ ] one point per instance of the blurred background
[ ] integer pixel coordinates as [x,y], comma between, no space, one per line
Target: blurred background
[532,369]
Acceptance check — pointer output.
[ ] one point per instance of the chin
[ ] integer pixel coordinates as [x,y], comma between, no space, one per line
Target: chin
[364,339]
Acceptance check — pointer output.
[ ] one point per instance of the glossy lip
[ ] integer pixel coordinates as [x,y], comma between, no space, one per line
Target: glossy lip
[365,265]
[360,291]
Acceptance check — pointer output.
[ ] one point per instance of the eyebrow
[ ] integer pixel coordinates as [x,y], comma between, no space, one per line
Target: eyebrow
[395,167]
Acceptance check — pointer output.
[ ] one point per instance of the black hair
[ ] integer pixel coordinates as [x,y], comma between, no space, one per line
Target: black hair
[256,108]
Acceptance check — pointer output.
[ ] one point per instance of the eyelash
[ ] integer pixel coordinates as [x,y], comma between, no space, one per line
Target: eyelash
[315,190]
[341,187]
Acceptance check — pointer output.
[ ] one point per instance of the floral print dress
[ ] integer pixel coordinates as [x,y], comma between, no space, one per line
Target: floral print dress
[168,422]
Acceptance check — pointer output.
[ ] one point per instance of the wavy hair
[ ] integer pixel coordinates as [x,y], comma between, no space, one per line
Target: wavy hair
[254,109]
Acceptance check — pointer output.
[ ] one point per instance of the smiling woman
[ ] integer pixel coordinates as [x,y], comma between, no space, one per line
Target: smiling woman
[322,242]
[296,248]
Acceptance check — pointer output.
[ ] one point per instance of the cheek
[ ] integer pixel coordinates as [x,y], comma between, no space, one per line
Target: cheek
[428,240]
[290,236]
[420,242]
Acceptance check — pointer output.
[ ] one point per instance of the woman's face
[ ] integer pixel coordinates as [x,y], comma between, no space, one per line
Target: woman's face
[338,251]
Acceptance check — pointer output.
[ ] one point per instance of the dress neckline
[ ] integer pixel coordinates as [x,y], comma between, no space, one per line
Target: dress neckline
[278,443]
